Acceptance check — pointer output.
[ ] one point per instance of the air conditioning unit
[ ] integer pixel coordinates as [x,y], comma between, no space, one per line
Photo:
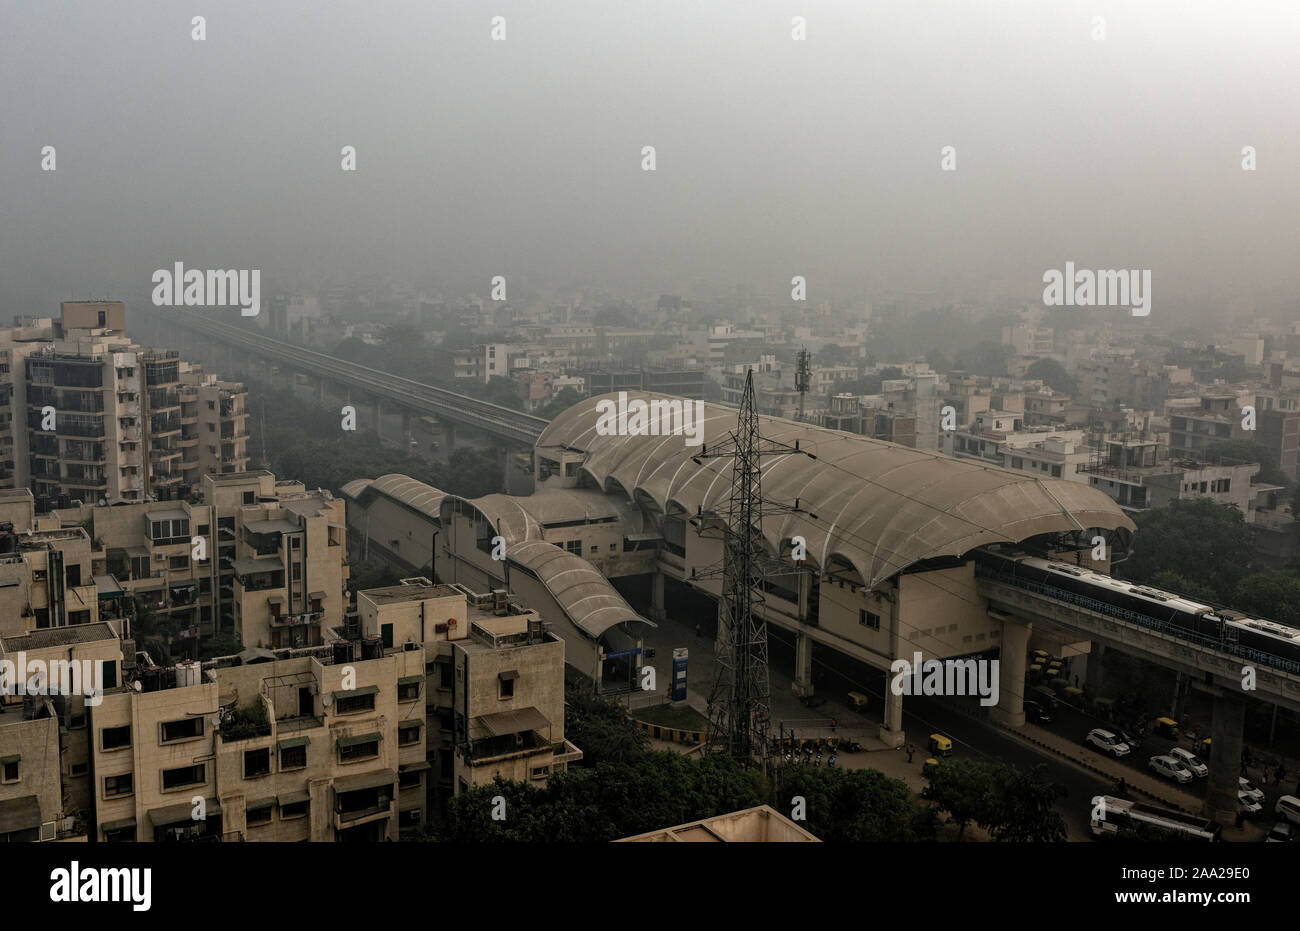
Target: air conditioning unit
[69,824]
[49,831]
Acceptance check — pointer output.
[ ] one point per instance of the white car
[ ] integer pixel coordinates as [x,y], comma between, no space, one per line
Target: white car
[1282,833]
[1249,788]
[1288,807]
[1107,742]
[1170,768]
[1191,761]
[1248,804]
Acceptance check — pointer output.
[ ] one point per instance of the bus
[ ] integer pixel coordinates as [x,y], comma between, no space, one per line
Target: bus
[1122,818]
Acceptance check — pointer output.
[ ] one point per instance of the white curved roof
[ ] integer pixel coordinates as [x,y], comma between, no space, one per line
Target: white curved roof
[414,494]
[586,596]
[878,505]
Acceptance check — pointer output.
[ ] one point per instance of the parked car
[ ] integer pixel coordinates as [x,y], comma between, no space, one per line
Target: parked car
[1170,767]
[1107,742]
[1035,712]
[1245,785]
[1288,807]
[1249,805]
[1282,833]
[1191,761]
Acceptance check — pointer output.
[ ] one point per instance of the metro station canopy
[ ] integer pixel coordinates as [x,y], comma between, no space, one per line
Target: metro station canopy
[879,506]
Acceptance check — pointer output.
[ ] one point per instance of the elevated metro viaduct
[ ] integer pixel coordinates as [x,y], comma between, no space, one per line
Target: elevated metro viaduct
[887,531]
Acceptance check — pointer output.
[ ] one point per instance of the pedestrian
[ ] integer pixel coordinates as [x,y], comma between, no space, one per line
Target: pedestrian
[1241,818]
[910,750]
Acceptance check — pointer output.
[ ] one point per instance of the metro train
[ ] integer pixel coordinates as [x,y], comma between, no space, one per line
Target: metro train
[1224,629]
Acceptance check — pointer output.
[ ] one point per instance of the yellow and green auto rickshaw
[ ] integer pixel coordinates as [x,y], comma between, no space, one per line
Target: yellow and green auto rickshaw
[1203,748]
[940,745]
[857,701]
[1168,727]
[1072,695]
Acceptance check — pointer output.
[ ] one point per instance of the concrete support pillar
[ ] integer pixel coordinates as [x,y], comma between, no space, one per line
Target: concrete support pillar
[320,388]
[657,612]
[1180,689]
[379,419]
[1225,756]
[448,438]
[891,729]
[1095,659]
[406,429]
[1010,709]
[803,647]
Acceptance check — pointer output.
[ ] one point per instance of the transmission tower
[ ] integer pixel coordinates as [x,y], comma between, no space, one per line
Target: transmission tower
[740,701]
[802,378]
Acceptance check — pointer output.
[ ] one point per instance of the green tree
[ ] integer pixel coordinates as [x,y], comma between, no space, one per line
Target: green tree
[1023,809]
[472,473]
[564,399]
[855,805]
[598,726]
[1272,593]
[1197,536]
[1053,374]
[964,789]
[985,358]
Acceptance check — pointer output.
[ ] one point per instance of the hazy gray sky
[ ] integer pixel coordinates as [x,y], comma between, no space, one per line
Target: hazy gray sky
[775,157]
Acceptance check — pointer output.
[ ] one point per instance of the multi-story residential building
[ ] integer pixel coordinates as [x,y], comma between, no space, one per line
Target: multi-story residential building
[1218,419]
[1278,428]
[685,383]
[430,690]
[495,681]
[1132,473]
[280,572]
[46,579]
[214,426]
[45,774]
[87,415]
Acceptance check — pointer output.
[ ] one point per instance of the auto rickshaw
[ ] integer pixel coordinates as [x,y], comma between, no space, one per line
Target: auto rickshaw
[1105,708]
[1042,657]
[857,701]
[940,745]
[1168,727]
[1060,684]
[1203,748]
[1072,695]
[1035,672]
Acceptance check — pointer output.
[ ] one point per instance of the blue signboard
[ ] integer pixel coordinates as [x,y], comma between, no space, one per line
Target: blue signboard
[679,674]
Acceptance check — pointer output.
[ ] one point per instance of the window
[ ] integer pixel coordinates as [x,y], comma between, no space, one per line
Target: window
[408,734]
[444,675]
[540,772]
[248,497]
[184,776]
[80,769]
[293,758]
[868,620]
[295,810]
[184,729]
[10,771]
[258,816]
[409,779]
[178,562]
[355,704]
[257,763]
[295,543]
[114,738]
[351,749]
[574,547]
[506,681]
[116,786]
[77,722]
[408,692]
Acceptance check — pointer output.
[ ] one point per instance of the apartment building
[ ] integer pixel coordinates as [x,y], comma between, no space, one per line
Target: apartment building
[1219,418]
[46,578]
[280,572]
[45,779]
[214,426]
[346,741]
[1133,474]
[494,681]
[87,415]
